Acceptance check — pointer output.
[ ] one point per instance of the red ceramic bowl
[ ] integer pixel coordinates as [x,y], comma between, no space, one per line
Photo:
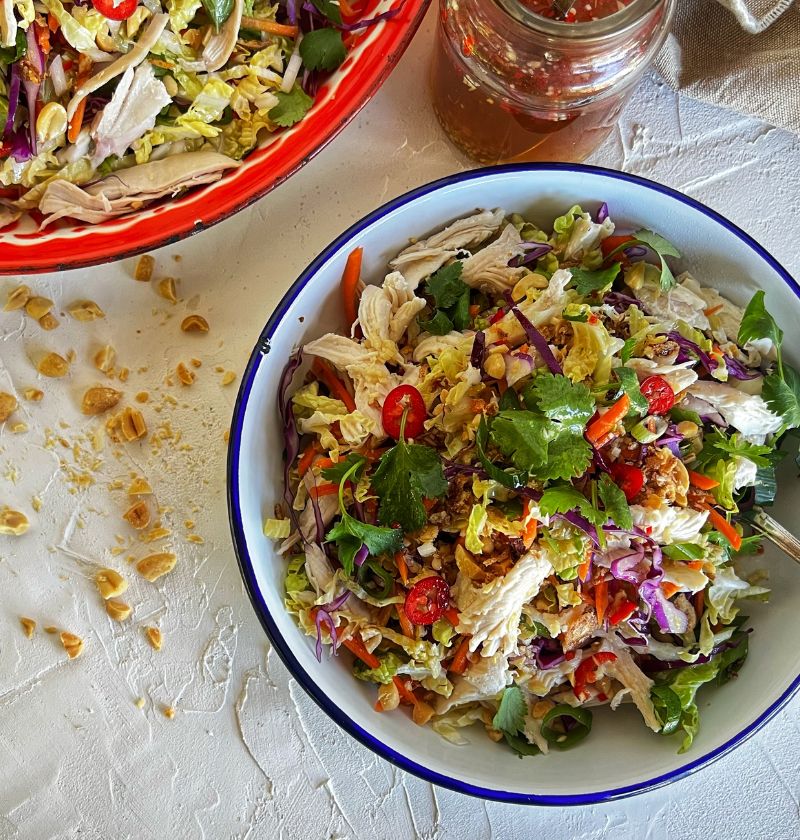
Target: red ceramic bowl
[67,244]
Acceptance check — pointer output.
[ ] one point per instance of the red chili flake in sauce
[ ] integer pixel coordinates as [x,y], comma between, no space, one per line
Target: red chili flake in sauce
[581,11]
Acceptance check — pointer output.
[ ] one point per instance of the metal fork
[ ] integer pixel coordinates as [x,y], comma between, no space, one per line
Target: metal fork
[775,533]
[563,7]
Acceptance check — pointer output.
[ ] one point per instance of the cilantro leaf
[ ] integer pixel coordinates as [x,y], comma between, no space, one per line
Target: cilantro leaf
[782,395]
[510,716]
[352,464]
[218,11]
[329,8]
[663,248]
[349,533]
[629,384]
[717,445]
[563,498]
[8,55]
[521,745]
[589,282]
[460,312]
[440,324]
[758,323]
[407,474]
[291,107]
[615,503]
[628,349]
[511,480]
[569,455]
[558,398]
[323,49]
[445,286]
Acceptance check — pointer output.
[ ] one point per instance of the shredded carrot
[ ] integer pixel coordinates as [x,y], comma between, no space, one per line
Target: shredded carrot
[669,589]
[459,662]
[611,243]
[699,604]
[695,564]
[429,504]
[307,458]
[351,282]
[452,615]
[356,647]
[320,490]
[164,65]
[324,463]
[725,528]
[405,692]
[372,454]
[347,10]
[52,23]
[402,566]
[474,310]
[583,570]
[712,310]
[270,27]
[76,123]
[42,37]
[600,427]
[601,599]
[325,374]
[704,482]
[405,624]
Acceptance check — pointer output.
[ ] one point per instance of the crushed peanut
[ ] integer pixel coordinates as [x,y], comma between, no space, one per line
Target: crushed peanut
[33,394]
[144,269]
[85,310]
[142,397]
[137,516]
[104,358]
[37,307]
[155,566]
[194,323]
[73,644]
[228,377]
[154,637]
[139,702]
[28,626]
[19,428]
[50,629]
[53,365]
[48,321]
[123,374]
[166,289]
[226,435]
[132,425]
[8,405]
[110,583]
[13,523]
[155,534]
[118,610]
[139,487]
[100,399]
[185,376]
[195,363]
[17,298]
[169,712]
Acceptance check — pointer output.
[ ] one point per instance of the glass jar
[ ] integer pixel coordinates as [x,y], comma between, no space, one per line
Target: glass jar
[510,85]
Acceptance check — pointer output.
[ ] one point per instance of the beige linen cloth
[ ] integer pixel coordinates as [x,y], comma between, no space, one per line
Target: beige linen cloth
[741,54]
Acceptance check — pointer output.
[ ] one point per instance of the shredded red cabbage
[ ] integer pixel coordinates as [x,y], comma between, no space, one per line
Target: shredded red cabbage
[630,566]
[361,556]
[536,339]
[13,98]
[620,301]
[20,146]
[737,370]
[534,251]
[690,348]
[35,58]
[602,213]
[321,617]
[291,437]
[478,350]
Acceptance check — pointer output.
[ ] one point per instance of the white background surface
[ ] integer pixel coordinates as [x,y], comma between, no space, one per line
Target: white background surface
[248,755]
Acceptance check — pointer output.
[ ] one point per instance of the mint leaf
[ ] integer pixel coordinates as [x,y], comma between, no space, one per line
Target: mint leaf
[322,49]
[291,107]
[589,282]
[782,395]
[446,286]
[350,534]
[629,384]
[329,8]
[353,464]
[440,324]
[510,716]
[407,474]
[564,497]
[615,503]
[663,248]
[558,398]
[758,323]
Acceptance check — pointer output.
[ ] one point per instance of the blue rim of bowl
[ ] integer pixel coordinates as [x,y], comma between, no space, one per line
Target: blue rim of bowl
[260,352]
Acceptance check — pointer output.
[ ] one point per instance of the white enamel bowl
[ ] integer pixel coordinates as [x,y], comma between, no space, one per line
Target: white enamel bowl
[621,757]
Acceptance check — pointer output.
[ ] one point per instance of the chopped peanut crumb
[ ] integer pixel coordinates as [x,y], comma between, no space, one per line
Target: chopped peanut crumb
[144,268]
[154,637]
[28,626]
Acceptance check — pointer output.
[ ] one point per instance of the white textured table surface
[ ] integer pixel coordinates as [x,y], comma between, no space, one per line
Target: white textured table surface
[247,754]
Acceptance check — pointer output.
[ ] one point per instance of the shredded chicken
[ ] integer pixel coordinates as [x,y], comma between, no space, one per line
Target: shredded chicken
[679,303]
[483,681]
[626,671]
[489,268]
[746,412]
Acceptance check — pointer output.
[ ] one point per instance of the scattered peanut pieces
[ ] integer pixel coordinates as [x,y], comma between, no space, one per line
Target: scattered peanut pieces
[185,376]
[131,424]
[17,298]
[139,702]
[194,323]
[226,435]
[155,566]
[142,397]
[123,374]
[118,610]
[73,644]
[13,523]
[28,626]
[169,712]
[144,269]
[137,516]
[195,363]
[37,307]
[48,321]
[85,310]
[53,365]
[100,399]
[110,583]
[228,377]
[33,394]
[139,487]
[166,289]
[104,358]
[154,637]
[50,629]
[8,405]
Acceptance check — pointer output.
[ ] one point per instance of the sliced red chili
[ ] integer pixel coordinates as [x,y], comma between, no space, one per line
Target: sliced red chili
[121,11]
[427,600]
[397,401]
[628,478]
[625,610]
[658,392]
[586,672]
